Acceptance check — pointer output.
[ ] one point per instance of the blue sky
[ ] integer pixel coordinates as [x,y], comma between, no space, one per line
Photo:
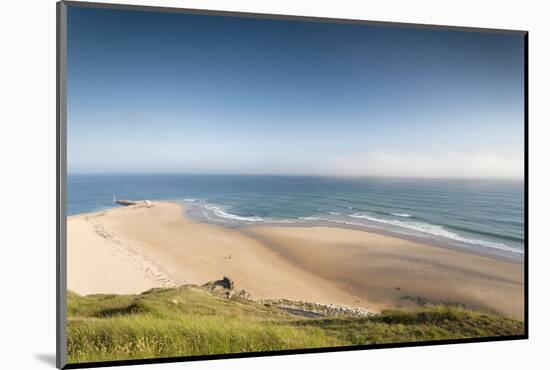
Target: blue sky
[162,92]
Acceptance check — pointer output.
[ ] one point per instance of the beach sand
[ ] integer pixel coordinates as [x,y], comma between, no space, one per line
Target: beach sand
[132,249]
[383,270]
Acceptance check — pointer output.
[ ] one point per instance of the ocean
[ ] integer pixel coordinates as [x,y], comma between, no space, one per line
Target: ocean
[480,215]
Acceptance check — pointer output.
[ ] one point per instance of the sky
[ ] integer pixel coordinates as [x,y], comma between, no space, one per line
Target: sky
[178,93]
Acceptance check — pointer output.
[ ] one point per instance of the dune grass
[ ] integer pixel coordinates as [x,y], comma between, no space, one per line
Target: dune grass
[189,321]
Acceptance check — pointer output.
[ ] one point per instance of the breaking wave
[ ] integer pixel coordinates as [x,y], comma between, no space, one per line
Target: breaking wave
[435,230]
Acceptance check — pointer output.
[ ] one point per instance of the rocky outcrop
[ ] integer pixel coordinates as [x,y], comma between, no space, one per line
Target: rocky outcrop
[316,309]
[226,288]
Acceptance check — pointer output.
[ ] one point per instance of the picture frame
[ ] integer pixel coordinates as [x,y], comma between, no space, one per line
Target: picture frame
[62,186]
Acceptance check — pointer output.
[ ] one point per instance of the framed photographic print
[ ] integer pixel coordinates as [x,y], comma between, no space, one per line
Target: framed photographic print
[235,184]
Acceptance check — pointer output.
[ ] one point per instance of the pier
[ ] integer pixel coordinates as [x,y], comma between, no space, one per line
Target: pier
[127,202]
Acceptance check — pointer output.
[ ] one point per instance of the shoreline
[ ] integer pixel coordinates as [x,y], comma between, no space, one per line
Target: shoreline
[495,253]
[500,254]
[146,248]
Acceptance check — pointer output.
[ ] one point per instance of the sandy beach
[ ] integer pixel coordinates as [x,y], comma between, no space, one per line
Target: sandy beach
[132,249]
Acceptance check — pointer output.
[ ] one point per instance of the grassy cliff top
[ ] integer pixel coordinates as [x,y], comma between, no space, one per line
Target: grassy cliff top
[192,320]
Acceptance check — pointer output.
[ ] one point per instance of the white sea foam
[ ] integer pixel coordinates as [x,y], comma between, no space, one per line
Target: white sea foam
[335,213]
[208,217]
[223,214]
[401,214]
[281,221]
[311,218]
[436,230]
[189,200]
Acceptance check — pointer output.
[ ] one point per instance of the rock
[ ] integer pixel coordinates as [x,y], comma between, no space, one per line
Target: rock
[228,283]
[243,294]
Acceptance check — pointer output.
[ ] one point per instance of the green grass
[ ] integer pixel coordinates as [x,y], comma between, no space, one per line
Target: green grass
[191,321]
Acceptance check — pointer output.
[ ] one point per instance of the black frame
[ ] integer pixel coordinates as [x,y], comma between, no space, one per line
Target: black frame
[61,161]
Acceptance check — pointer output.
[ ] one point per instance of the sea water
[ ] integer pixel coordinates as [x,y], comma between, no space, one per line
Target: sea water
[482,215]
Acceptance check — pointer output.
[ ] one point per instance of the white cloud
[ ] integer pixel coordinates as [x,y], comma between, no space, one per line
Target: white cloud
[448,165]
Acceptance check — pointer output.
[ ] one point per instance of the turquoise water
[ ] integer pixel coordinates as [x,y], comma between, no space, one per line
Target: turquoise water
[483,215]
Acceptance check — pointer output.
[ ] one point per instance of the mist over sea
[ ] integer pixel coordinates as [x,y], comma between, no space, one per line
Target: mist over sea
[481,215]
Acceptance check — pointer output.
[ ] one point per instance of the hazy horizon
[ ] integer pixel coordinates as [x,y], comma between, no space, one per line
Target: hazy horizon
[190,94]
[388,177]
